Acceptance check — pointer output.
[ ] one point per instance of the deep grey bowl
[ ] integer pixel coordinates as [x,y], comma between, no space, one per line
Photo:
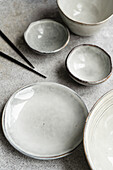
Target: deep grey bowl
[89,64]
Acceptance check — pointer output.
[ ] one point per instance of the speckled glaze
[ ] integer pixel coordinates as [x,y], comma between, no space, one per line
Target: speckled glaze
[88,64]
[85,17]
[98,134]
[44,120]
[46,36]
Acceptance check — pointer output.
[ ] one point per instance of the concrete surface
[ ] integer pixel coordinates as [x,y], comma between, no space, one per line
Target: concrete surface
[15,16]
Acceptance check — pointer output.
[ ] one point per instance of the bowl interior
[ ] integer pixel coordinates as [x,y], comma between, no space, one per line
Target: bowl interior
[87,11]
[46,36]
[89,63]
[98,134]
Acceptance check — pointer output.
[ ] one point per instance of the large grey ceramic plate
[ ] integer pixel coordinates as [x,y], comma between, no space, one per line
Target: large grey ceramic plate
[44,120]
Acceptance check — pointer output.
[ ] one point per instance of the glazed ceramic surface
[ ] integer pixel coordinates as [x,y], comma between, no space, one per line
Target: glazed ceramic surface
[44,120]
[47,36]
[98,134]
[89,64]
[85,17]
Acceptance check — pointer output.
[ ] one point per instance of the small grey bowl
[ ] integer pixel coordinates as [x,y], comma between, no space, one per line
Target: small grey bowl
[88,64]
[46,36]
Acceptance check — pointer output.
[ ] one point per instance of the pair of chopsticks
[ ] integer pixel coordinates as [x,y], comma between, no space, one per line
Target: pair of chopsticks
[31,68]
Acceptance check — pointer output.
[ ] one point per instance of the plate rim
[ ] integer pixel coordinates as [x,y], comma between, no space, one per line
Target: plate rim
[20,150]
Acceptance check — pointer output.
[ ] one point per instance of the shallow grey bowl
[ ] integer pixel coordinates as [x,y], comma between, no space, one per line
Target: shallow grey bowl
[89,64]
[46,36]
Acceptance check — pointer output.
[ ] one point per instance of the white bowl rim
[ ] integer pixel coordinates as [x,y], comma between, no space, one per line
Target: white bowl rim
[83,23]
[20,150]
[86,123]
[46,20]
[84,81]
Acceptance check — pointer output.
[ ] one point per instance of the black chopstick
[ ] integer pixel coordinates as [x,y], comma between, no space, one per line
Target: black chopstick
[21,64]
[15,48]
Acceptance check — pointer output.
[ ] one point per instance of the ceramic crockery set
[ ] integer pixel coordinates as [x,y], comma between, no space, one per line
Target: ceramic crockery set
[46,120]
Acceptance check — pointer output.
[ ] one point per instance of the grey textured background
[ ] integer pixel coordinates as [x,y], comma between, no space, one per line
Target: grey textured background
[15,16]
